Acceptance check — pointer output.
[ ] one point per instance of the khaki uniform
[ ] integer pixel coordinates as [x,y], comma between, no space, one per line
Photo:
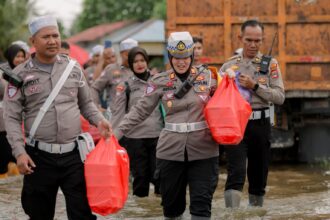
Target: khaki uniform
[189,109]
[271,88]
[89,72]
[3,84]
[2,90]
[61,123]
[251,156]
[109,79]
[150,127]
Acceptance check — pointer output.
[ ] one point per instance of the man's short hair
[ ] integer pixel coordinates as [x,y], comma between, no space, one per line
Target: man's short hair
[252,23]
[198,40]
[65,45]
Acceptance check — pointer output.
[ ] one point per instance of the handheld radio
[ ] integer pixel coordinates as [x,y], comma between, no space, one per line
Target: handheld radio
[265,60]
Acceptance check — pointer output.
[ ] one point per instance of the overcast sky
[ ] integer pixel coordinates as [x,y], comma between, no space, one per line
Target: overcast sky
[64,10]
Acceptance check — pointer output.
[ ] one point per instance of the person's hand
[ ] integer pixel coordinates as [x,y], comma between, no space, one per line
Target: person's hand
[105,128]
[101,109]
[246,81]
[25,164]
[230,73]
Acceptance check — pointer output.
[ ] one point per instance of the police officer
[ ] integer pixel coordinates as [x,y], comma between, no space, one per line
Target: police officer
[186,153]
[51,159]
[198,50]
[15,55]
[94,60]
[113,74]
[255,147]
[142,140]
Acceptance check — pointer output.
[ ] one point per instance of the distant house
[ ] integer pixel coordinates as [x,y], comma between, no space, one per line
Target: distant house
[150,34]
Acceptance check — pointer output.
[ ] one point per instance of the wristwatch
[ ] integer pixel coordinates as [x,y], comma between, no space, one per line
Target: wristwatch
[255,88]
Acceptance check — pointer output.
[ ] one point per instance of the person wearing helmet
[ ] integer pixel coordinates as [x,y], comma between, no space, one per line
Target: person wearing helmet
[186,152]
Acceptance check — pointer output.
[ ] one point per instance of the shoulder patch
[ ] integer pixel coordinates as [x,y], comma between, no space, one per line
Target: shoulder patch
[273,66]
[11,91]
[214,72]
[150,89]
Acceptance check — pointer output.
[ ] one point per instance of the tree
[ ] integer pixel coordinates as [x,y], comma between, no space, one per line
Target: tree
[160,10]
[99,11]
[13,16]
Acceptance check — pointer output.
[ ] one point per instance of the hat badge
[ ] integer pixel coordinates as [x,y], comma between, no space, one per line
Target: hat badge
[181,46]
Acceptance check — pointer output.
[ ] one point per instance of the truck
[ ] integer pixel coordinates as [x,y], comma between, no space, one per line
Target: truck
[302,48]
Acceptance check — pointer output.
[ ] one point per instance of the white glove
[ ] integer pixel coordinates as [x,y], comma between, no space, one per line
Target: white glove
[230,73]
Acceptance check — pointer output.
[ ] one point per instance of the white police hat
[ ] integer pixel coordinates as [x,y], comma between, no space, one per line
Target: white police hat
[127,44]
[41,22]
[180,44]
[97,50]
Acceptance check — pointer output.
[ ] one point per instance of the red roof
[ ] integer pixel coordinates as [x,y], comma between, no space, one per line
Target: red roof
[97,32]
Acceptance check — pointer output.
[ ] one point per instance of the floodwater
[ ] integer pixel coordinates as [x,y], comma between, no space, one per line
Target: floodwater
[294,192]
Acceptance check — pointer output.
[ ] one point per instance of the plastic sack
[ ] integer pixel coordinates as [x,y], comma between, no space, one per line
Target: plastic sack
[227,113]
[87,127]
[107,177]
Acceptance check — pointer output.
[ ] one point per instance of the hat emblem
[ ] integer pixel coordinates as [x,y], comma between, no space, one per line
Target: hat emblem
[181,46]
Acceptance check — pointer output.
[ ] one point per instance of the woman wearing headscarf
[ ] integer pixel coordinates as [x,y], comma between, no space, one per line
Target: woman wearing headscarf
[15,55]
[141,141]
[186,153]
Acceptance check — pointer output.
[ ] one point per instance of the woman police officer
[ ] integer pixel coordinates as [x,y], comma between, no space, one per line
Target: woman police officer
[186,153]
[141,141]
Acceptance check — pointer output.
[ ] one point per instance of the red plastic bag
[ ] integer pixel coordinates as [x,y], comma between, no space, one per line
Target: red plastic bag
[87,127]
[107,177]
[227,113]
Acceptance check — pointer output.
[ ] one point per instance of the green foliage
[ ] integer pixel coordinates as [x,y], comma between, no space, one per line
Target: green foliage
[13,16]
[160,10]
[97,12]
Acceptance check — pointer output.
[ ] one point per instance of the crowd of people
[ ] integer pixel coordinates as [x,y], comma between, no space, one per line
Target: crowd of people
[160,122]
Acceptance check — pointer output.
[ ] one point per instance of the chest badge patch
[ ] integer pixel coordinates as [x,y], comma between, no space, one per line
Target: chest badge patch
[169,104]
[202,88]
[199,78]
[234,67]
[172,75]
[262,80]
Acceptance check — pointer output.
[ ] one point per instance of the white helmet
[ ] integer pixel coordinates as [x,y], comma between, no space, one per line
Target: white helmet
[180,45]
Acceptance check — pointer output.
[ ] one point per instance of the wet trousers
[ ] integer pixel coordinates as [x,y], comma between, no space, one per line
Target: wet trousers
[53,171]
[5,153]
[142,154]
[200,175]
[255,149]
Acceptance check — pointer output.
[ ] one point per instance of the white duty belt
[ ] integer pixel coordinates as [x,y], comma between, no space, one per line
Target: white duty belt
[186,127]
[255,115]
[52,148]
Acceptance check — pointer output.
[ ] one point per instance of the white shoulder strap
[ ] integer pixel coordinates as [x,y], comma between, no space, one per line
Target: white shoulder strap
[51,98]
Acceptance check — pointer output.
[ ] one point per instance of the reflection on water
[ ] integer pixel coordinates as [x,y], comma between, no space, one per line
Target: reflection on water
[294,192]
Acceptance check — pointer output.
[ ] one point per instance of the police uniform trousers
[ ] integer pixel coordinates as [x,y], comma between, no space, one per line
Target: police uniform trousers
[51,172]
[5,153]
[200,175]
[142,155]
[255,148]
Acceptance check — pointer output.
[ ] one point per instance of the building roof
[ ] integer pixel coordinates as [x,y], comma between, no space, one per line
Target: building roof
[149,31]
[99,31]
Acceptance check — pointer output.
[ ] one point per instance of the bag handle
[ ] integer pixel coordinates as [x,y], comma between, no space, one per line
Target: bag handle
[51,98]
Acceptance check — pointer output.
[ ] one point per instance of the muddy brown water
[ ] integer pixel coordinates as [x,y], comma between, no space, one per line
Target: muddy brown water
[294,192]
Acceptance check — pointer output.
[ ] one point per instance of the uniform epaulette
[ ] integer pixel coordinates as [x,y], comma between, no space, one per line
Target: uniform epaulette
[159,77]
[233,57]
